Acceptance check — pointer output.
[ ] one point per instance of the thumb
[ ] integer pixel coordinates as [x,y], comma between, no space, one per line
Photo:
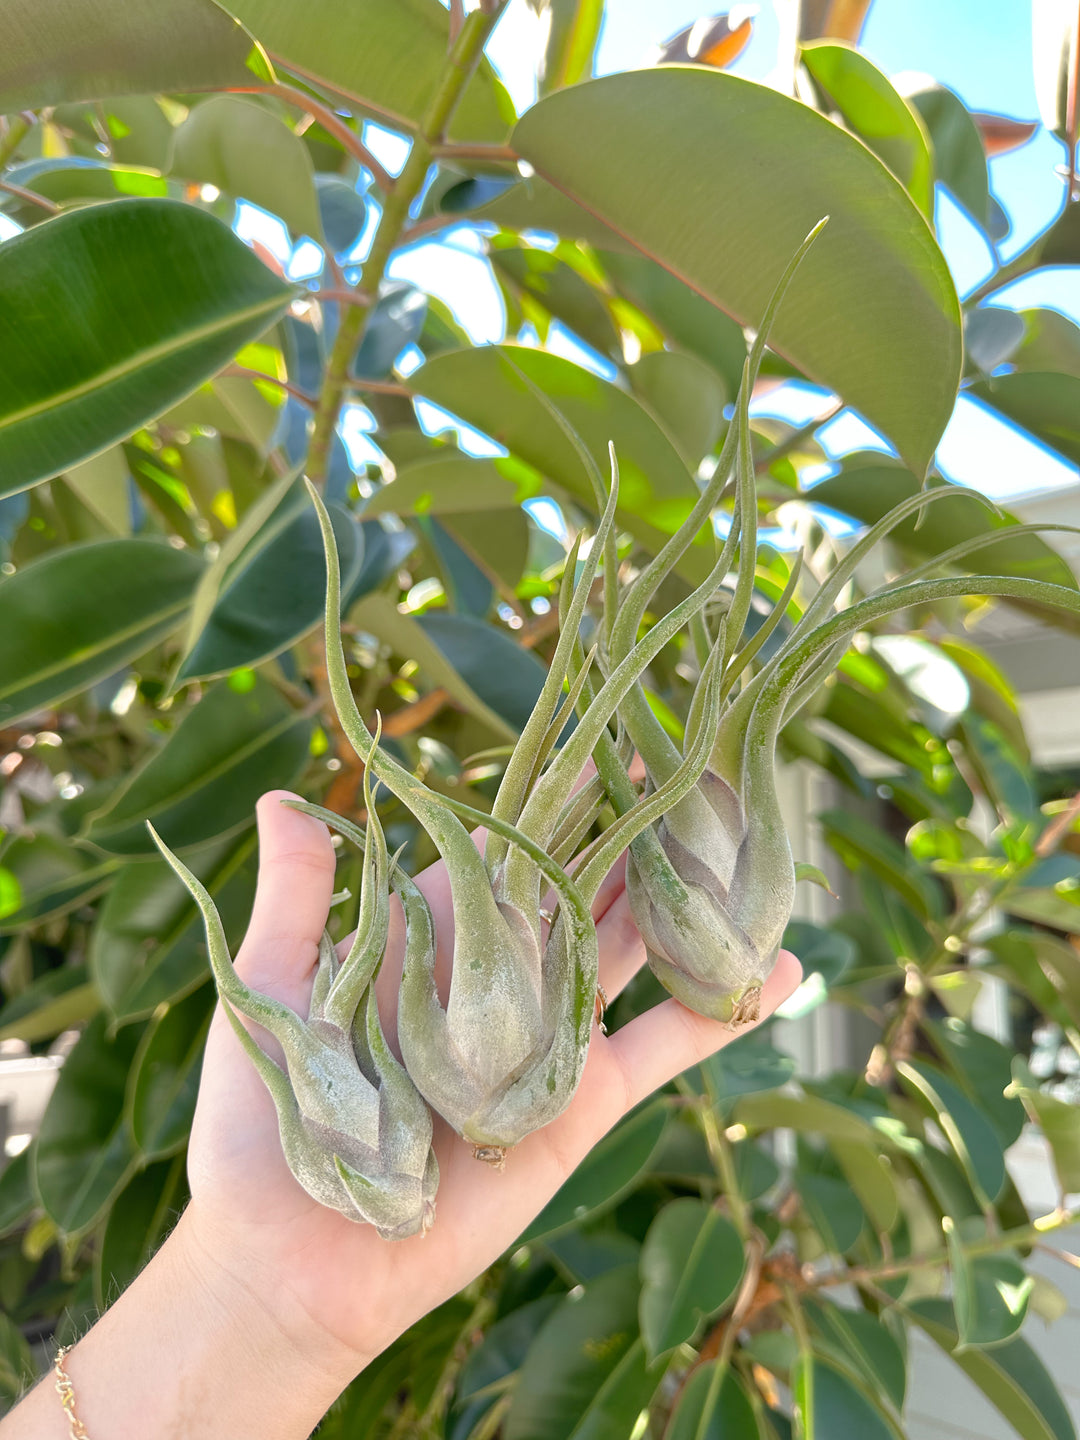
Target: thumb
[292,899]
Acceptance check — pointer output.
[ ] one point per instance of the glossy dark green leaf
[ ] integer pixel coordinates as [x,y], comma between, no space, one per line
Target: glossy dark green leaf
[833,1209]
[501,1352]
[686,396]
[386,55]
[267,587]
[80,613]
[378,614]
[204,781]
[958,154]
[1051,343]
[609,1171]
[827,953]
[1011,1375]
[871,107]
[164,1080]
[505,676]
[691,1264]
[122,47]
[990,1293]
[983,1066]
[77,179]
[148,947]
[869,486]
[585,1373]
[1059,1122]
[83,1155]
[964,1125]
[656,491]
[53,877]
[838,1407]
[746,1065]
[875,271]
[18,1370]
[140,1218]
[244,149]
[56,1001]
[342,210]
[862,845]
[189,292]
[538,277]
[865,1342]
[712,1406]
[395,323]
[1045,403]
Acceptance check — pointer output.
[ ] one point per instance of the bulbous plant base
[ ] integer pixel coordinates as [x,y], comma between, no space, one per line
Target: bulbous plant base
[736,1007]
[493,1155]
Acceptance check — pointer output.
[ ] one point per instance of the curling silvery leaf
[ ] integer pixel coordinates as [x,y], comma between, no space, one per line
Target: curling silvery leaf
[355,1131]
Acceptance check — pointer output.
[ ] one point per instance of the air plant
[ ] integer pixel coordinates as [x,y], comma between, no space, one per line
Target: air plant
[505,1054]
[712,883]
[354,1129]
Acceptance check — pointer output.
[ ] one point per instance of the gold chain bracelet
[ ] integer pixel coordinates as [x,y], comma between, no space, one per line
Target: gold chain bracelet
[66,1391]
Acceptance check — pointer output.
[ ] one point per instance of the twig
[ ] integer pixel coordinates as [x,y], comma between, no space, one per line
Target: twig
[344,297]
[241,372]
[796,438]
[331,123]
[28,195]
[379,387]
[461,61]
[1056,831]
[457,18]
[451,151]
[845,19]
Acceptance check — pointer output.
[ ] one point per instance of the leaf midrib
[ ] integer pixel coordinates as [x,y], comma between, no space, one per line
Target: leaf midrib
[179,341]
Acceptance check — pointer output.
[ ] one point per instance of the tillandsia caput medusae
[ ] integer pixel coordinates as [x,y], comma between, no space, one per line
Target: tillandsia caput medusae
[354,1128]
[505,1054]
[712,884]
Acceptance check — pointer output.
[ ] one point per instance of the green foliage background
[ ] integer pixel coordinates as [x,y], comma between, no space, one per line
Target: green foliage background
[163,387]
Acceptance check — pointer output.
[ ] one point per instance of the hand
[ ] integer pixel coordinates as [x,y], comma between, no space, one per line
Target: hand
[327,1275]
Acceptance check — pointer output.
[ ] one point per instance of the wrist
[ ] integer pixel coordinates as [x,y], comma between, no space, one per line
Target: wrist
[235,1289]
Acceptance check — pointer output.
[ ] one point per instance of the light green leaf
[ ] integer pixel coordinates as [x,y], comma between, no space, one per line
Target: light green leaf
[182,294]
[454,484]
[958,154]
[1051,342]
[875,271]
[1059,1121]
[386,56]
[877,114]
[686,396]
[1047,404]
[691,1264]
[80,613]
[250,153]
[656,491]
[56,1001]
[82,1155]
[1011,1375]
[53,876]
[204,781]
[990,1293]
[869,486]
[104,486]
[121,47]
[963,1124]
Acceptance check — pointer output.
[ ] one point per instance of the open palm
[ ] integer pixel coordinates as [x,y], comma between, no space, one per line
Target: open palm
[258,1222]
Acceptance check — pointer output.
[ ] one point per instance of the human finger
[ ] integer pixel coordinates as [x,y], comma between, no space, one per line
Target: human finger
[292,900]
[657,1046]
